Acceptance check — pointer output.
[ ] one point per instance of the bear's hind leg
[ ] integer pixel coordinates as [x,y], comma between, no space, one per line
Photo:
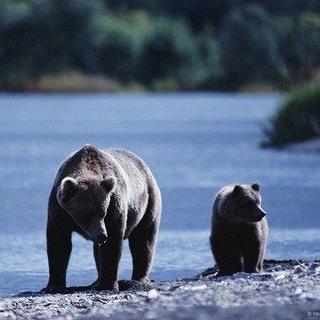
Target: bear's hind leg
[142,247]
[142,242]
[252,261]
[263,240]
[229,263]
[261,257]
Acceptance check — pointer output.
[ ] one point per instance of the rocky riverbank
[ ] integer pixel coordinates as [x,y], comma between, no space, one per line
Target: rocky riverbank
[286,290]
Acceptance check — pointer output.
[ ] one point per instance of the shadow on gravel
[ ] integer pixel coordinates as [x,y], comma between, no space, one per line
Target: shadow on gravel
[268,266]
[124,285]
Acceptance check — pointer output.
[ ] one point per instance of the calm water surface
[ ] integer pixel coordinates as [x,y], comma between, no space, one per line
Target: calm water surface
[194,143]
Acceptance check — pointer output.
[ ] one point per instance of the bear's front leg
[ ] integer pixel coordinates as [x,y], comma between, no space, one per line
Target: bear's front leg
[110,254]
[58,250]
[96,254]
[59,230]
[251,255]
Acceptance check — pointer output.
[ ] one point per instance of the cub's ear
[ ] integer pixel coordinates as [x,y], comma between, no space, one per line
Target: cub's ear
[237,190]
[255,187]
[68,187]
[108,184]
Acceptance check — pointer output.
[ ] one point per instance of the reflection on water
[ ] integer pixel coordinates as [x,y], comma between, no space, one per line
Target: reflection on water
[194,143]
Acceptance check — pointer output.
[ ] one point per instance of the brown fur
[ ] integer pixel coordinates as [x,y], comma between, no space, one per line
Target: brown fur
[106,196]
[239,230]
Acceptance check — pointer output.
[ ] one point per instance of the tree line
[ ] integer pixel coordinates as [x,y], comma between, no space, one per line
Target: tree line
[162,44]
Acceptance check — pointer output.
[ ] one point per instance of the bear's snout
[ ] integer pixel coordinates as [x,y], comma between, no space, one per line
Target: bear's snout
[101,239]
[262,213]
[97,231]
[261,216]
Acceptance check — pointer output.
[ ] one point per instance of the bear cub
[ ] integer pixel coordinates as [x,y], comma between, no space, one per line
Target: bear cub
[239,230]
[106,196]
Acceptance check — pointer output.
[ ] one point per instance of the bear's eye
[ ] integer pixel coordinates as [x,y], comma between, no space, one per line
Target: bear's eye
[248,203]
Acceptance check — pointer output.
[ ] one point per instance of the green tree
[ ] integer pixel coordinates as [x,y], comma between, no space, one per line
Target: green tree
[38,37]
[118,43]
[249,48]
[299,39]
[170,52]
[14,19]
[211,62]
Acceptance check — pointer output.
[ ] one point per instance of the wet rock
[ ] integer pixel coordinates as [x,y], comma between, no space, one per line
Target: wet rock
[299,269]
[280,275]
[153,294]
[314,268]
[132,285]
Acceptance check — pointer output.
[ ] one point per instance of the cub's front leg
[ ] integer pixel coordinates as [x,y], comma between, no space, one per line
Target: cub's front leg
[252,252]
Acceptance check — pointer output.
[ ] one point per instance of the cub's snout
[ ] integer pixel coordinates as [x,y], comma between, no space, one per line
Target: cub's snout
[260,213]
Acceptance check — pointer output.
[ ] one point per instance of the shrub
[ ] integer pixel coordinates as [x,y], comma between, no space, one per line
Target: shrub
[211,63]
[38,37]
[169,52]
[297,119]
[299,44]
[249,48]
[14,62]
[114,51]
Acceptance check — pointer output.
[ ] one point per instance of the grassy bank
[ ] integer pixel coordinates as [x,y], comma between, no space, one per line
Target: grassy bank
[161,45]
[297,119]
[70,81]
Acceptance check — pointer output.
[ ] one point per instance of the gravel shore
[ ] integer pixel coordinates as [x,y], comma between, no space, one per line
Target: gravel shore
[286,290]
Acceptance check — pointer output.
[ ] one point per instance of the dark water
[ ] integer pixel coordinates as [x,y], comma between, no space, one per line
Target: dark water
[194,143]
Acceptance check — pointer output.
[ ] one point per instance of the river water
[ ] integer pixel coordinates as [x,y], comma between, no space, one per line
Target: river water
[194,144]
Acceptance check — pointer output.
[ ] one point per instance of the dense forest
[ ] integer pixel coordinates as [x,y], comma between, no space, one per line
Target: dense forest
[161,44]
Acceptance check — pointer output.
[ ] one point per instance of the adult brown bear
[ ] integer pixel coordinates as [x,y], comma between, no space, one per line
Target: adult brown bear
[106,196]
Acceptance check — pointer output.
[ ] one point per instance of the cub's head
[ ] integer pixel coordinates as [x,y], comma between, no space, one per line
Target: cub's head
[87,201]
[244,204]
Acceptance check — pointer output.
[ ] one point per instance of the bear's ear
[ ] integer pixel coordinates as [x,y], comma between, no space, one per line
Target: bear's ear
[108,184]
[255,187]
[68,187]
[237,190]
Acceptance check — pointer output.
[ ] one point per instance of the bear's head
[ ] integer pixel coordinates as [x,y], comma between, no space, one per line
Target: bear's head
[245,203]
[87,201]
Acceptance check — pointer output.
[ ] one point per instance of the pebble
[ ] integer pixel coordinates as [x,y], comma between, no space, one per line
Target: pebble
[315,268]
[279,275]
[150,315]
[299,269]
[153,294]
[185,299]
